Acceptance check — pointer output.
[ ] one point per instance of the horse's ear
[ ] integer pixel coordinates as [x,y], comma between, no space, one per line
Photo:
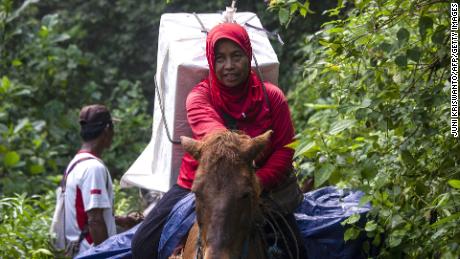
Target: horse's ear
[191,146]
[257,145]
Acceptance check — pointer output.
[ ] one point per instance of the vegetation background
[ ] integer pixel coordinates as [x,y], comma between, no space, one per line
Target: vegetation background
[367,81]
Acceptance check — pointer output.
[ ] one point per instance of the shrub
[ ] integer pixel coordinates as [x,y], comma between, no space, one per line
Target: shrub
[371,106]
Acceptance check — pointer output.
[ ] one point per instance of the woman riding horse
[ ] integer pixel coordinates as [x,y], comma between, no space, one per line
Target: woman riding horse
[231,97]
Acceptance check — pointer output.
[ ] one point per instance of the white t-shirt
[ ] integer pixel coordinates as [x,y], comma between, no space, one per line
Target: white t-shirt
[88,186]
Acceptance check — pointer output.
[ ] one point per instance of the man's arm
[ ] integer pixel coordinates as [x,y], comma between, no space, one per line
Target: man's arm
[96,226]
[129,221]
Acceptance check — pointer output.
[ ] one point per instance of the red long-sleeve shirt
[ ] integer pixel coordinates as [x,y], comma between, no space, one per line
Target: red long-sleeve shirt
[203,118]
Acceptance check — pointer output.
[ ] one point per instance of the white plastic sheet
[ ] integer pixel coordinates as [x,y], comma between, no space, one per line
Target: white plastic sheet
[181,64]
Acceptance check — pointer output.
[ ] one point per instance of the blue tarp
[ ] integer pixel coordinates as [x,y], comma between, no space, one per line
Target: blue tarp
[115,247]
[318,218]
[179,222]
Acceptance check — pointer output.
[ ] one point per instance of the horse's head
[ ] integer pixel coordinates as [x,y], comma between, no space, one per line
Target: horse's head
[226,189]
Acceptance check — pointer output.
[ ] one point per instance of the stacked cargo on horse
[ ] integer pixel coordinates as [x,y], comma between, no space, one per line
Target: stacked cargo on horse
[181,64]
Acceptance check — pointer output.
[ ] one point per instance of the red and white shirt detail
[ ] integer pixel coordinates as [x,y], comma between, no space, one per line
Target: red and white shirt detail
[88,186]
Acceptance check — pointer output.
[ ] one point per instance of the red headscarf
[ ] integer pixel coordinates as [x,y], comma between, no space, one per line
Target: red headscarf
[243,101]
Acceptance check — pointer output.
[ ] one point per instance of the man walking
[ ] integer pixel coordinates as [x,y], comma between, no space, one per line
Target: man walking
[89,215]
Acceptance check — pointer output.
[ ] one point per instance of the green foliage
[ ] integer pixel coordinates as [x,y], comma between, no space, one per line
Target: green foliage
[370,100]
[127,200]
[288,8]
[50,67]
[55,57]
[371,106]
[24,223]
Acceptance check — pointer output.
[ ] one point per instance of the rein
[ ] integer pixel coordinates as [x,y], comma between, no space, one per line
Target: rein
[269,213]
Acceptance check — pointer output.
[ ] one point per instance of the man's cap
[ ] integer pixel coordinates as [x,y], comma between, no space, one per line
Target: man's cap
[95,114]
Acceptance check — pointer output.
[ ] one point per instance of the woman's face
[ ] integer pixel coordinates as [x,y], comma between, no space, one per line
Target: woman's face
[231,63]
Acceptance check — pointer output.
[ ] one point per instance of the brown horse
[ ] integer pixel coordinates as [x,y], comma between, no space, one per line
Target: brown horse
[227,197]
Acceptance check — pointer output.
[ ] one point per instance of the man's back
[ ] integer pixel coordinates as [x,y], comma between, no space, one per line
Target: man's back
[88,186]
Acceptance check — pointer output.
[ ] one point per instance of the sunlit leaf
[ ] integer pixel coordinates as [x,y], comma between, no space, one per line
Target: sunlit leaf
[60,38]
[39,125]
[303,12]
[351,234]
[370,226]
[294,8]
[22,123]
[454,183]
[16,63]
[320,106]
[352,219]
[445,220]
[293,145]
[5,84]
[42,251]
[36,169]
[43,32]
[340,126]
[310,147]
[11,159]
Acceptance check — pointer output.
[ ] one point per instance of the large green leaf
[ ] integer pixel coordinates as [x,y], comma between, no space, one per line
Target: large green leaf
[283,15]
[403,35]
[351,220]
[351,234]
[454,183]
[11,159]
[414,53]
[370,226]
[439,35]
[306,149]
[425,23]
[323,174]
[36,169]
[340,126]
[401,60]
[5,84]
